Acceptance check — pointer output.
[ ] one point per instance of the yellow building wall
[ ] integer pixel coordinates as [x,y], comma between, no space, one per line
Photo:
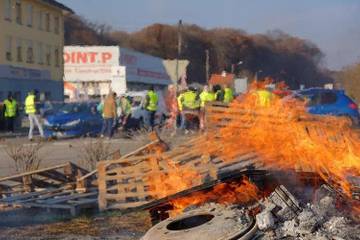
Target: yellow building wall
[23,32]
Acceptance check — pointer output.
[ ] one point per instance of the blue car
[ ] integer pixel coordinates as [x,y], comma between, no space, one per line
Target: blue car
[73,120]
[330,102]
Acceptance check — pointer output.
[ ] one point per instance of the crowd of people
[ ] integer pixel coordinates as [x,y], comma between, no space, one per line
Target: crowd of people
[191,102]
[117,112]
[185,108]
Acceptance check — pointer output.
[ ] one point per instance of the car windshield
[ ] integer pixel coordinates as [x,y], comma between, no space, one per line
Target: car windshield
[73,108]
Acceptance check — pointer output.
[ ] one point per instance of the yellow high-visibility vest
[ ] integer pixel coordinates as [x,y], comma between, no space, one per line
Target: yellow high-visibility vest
[10,108]
[228,95]
[264,97]
[153,101]
[30,104]
[206,96]
[189,99]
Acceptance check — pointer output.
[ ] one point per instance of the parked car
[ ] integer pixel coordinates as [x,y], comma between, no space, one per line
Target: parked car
[330,102]
[138,110]
[72,120]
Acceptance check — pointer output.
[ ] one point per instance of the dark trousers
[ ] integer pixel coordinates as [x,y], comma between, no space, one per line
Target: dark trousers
[151,116]
[10,121]
[107,128]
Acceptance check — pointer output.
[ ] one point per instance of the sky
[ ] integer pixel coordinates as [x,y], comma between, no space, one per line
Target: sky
[334,25]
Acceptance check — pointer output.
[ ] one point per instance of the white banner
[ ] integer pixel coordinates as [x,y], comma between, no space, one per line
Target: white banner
[89,63]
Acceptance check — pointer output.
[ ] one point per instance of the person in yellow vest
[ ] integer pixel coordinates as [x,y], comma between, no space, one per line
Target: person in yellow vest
[207,95]
[10,112]
[264,97]
[189,103]
[228,94]
[151,106]
[125,106]
[30,110]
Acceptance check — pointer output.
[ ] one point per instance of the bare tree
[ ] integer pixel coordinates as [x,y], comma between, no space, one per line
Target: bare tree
[93,151]
[25,156]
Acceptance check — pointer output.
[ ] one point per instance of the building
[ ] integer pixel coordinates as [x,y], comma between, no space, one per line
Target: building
[31,44]
[91,71]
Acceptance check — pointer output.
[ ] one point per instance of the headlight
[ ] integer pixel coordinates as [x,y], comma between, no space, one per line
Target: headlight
[72,123]
[46,123]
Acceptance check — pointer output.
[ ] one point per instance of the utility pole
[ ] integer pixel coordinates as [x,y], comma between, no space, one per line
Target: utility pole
[207,65]
[178,49]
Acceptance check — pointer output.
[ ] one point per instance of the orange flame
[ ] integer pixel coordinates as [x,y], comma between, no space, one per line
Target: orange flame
[224,193]
[287,137]
[282,133]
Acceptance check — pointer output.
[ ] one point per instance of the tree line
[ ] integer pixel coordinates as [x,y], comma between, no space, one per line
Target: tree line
[275,54]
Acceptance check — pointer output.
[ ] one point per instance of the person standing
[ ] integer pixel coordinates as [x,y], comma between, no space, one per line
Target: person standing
[10,112]
[125,106]
[30,110]
[109,116]
[228,94]
[189,103]
[205,96]
[151,105]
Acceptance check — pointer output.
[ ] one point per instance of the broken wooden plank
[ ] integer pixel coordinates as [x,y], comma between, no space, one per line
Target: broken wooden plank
[31,173]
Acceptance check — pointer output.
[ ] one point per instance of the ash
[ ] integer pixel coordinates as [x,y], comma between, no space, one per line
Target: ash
[283,217]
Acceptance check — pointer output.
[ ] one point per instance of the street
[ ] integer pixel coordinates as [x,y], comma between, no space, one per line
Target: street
[60,151]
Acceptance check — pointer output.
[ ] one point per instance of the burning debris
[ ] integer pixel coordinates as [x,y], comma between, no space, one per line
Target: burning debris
[283,217]
[279,216]
[210,222]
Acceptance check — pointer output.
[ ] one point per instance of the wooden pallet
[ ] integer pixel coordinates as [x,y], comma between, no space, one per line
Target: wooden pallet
[129,182]
[50,177]
[58,198]
[54,187]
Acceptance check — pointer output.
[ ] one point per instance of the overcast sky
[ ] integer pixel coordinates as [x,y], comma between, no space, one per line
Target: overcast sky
[334,25]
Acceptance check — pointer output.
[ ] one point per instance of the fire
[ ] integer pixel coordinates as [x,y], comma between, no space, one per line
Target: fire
[224,193]
[282,133]
[174,179]
[287,137]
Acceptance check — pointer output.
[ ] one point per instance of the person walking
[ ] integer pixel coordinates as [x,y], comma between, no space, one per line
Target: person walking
[30,110]
[10,112]
[109,116]
[151,105]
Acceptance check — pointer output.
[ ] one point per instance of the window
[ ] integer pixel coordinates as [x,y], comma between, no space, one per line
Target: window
[40,20]
[8,48]
[29,18]
[48,55]
[18,12]
[40,53]
[56,25]
[19,50]
[328,98]
[47,22]
[7,10]
[30,52]
[57,57]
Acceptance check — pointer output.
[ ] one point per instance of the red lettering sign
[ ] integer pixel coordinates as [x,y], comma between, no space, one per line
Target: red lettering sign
[87,57]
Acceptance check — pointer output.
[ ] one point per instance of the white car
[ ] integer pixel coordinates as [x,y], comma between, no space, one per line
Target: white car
[138,103]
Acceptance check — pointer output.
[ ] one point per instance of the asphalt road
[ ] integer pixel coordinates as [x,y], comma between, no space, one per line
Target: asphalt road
[61,151]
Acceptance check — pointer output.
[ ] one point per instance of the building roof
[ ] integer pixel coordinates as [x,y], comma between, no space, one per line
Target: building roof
[221,79]
[58,5]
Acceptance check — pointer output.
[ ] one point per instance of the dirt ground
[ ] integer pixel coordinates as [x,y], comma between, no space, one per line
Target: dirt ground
[39,224]
[100,226]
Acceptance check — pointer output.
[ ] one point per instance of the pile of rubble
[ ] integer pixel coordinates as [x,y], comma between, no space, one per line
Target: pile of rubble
[283,217]
[279,216]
